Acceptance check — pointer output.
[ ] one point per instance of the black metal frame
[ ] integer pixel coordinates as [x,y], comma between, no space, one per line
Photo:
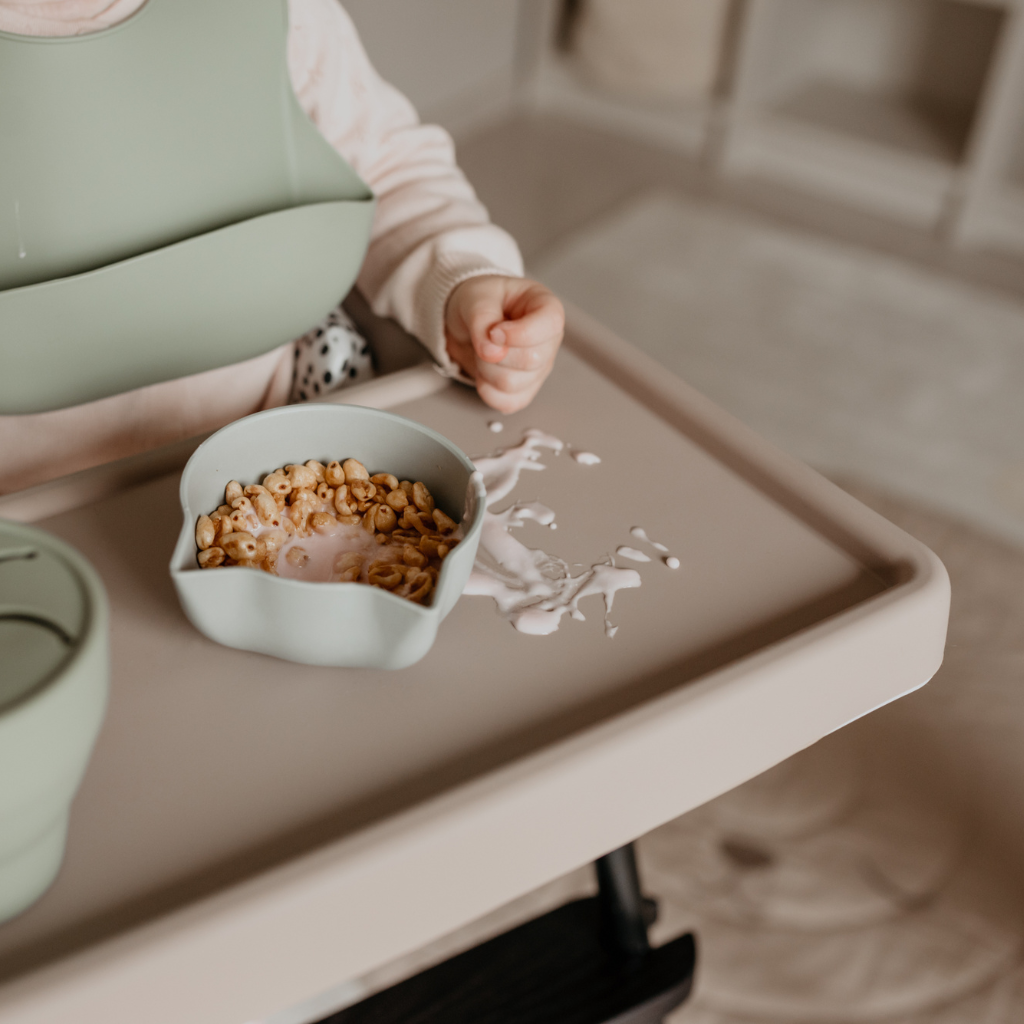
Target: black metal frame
[588,962]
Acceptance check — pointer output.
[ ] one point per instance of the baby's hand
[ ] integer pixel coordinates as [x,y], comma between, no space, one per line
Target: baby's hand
[504,333]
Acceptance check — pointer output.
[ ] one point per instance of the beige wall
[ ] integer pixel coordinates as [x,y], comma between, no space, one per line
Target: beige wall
[455,59]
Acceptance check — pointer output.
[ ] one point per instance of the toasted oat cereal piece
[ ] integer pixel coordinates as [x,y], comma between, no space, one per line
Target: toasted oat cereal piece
[243,518]
[318,470]
[223,527]
[443,522]
[206,533]
[384,575]
[323,522]
[239,546]
[397,499]
[348,560]
[413,556]
[325,493]
[297,556]
[422,522]
[269,564]
[421,497]
[210,558]
[431,545]
[303,504]
[252,490]
[266,508]
[362,490]
[232,491]
[389,480]
[275,540]
[419,587]
[354,470]
[334,474]
[406,486]
[385,518]
[301,477]
[277,483]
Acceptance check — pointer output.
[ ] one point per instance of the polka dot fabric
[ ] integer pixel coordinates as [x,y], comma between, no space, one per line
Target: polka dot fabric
[331,356]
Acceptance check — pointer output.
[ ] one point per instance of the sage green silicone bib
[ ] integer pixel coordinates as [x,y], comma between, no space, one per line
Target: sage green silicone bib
[166,207]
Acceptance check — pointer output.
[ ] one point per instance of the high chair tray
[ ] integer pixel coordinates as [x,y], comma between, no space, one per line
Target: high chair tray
[252,832]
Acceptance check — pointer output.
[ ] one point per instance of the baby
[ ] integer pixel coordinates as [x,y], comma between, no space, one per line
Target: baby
[434,262]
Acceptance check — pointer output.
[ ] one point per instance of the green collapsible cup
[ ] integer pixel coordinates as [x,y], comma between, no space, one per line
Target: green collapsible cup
[54,680]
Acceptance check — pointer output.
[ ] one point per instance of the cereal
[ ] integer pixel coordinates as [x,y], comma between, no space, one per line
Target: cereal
[444,523]
[266,509]
[299,523]
[385,518]
[323,522]
[210,558]
[277,483]
[421,498]
[239,545]
[301,477]
[206,533]
[354,470]
[297,556]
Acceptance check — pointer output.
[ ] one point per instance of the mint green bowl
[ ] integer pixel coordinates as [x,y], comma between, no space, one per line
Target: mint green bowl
[54,680]
[338,624]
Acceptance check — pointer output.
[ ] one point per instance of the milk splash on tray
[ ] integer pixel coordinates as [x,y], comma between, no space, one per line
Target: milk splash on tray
[533,589]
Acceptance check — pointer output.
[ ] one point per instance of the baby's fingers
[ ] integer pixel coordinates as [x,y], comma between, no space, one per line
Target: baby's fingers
[508,379]
[539,320]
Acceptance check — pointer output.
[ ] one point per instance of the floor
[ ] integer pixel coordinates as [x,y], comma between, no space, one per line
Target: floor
[875,876]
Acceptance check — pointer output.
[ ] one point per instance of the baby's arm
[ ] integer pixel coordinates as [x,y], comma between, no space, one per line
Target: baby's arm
[431,237]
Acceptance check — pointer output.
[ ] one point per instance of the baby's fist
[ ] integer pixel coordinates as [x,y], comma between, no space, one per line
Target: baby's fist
[504,333]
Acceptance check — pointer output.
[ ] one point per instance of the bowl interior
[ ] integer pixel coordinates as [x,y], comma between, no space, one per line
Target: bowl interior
[385,443]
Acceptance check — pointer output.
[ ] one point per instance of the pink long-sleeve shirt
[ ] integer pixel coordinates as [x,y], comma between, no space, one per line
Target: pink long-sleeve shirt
[430,232]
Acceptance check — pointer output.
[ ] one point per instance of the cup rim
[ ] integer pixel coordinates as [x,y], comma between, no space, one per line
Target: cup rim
[93,631]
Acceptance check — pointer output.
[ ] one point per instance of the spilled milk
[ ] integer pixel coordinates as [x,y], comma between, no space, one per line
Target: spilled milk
[532,588]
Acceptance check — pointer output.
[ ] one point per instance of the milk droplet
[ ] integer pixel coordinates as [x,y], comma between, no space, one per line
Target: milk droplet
[632,554]
[641,534]
[586,458]
[495,426]
[672,562]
